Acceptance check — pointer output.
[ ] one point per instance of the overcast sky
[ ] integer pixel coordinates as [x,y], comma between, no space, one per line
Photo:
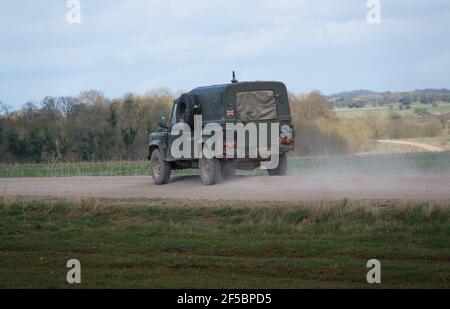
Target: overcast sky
[138,45]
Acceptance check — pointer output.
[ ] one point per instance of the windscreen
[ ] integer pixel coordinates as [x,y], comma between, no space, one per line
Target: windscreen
[256,105]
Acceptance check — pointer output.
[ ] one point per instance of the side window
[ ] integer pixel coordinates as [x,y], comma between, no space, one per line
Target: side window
[173,119]
[181,112]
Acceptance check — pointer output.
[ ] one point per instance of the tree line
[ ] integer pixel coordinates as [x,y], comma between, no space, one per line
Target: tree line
[91,127]
[362,98]
[88,127]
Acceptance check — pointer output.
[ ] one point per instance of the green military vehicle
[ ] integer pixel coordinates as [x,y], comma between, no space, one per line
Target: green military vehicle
[236,102]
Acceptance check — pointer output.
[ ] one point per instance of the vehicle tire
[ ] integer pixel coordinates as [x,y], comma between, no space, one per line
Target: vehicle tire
[160,169]
[228,172]
[210,171]
[282,167]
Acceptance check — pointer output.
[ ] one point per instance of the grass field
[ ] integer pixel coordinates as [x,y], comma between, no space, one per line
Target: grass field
[360,112]
[74,169]
[423,163]
[173,244]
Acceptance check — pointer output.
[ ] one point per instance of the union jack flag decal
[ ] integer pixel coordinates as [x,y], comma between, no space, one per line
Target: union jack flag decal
[230,113]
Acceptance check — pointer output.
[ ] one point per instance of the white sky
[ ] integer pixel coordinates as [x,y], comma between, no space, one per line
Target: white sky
[138,45]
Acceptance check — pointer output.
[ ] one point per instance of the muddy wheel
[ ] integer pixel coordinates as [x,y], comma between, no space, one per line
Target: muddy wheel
[282,167]
[160,169]
[210,171]
[228,172]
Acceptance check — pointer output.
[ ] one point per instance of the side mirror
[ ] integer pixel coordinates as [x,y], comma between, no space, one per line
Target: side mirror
[163,122]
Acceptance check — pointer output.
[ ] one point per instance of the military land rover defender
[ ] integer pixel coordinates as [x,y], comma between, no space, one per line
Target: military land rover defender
[238,102]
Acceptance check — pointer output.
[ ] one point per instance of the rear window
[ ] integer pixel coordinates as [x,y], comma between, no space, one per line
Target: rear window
[256,105]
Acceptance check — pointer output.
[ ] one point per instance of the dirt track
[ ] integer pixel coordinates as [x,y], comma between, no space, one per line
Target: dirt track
[426,147]
[292,188]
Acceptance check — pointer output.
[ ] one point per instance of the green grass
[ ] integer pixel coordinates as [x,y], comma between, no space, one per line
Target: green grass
[138,168]
[442,108]
[424,163]
[421,163]
[74,169]
[172,244]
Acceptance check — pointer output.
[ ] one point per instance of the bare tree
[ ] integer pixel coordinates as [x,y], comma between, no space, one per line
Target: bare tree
[4,109]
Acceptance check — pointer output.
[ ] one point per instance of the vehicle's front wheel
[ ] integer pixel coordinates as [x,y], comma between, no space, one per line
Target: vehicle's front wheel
[160,169]
[210,171]
[282,167]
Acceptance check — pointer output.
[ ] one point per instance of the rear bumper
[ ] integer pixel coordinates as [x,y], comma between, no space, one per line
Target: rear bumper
[282,150]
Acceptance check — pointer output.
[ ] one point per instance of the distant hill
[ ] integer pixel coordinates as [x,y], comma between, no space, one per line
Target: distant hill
[352,94]
[360,98]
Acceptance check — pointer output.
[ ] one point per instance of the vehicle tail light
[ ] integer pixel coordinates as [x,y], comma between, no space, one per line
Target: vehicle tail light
[287,135]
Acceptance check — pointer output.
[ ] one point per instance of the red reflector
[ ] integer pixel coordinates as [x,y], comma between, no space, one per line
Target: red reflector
[225,146]
[287,142]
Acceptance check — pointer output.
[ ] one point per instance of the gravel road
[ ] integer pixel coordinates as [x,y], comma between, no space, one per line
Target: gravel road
[292,188]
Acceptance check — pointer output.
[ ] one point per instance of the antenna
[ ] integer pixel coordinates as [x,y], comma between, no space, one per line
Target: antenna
[234,80]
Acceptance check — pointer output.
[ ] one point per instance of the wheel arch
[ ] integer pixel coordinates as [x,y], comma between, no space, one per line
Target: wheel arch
[152,148]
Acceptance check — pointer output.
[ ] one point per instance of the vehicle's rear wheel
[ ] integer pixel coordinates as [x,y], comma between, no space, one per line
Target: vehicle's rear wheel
[282,167]
[160,169]
[228,172]
[210,171]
